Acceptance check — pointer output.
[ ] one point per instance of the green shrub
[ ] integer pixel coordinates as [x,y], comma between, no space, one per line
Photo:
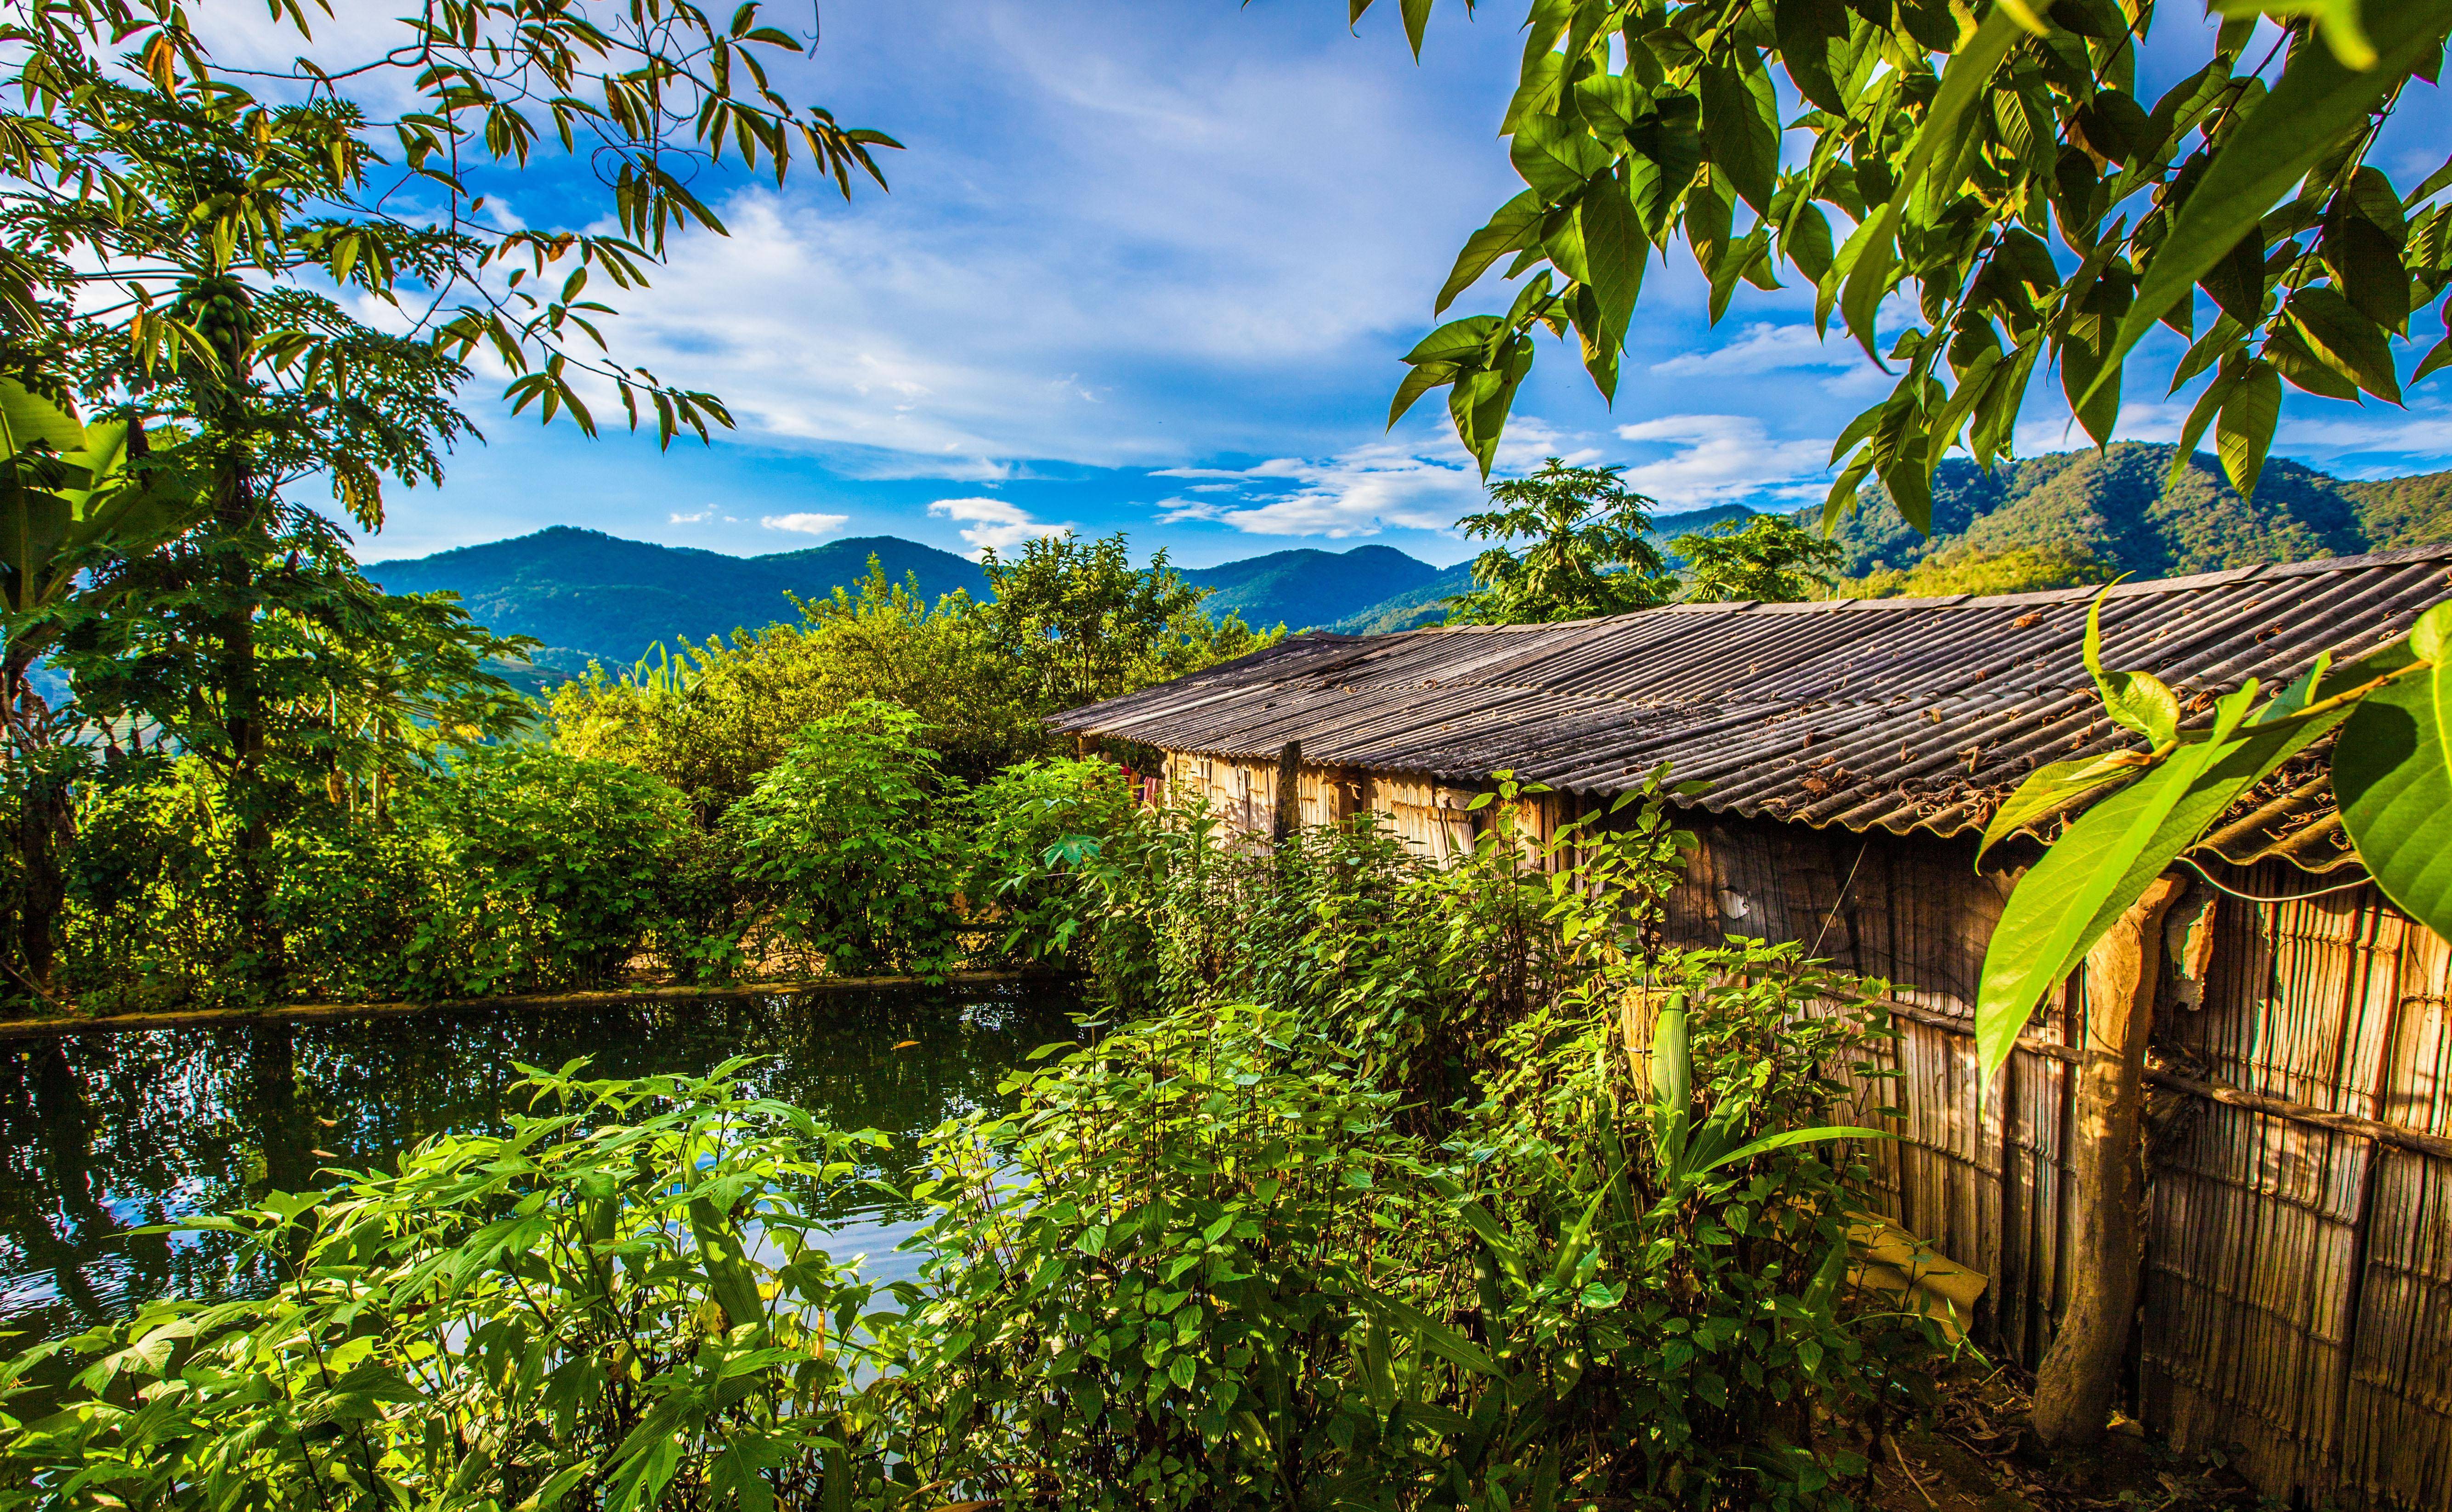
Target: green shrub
[1032,828]
[846,845]
[520,869]
[617,1304]
[554,868]
[1142,1289]
[148,915]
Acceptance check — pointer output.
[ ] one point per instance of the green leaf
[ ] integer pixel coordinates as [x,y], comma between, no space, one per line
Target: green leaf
[2053,787]
[2390,775]
[2348,343]
[2250,413]
[2235,280]
[2368,267]
[2200,414]
[1741,127]
[1556,156]
[2137,702]
[1788,1137]
[2263,159]
[28,419]
[1437,1337]
[1515,225]
[2292,358]
[1616,249]
[1814,43]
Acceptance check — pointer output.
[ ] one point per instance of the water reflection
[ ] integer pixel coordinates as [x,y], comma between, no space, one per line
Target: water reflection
[105,1134]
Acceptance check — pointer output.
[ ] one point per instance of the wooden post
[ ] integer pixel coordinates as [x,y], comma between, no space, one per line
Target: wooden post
[1288,815]
[2075,1383]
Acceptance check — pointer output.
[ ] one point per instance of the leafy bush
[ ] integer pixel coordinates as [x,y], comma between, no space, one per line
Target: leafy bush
[617,1303]
[1142,1289]
[554,865]
[846,846]
[148,915]
[1032,828]
[520,869]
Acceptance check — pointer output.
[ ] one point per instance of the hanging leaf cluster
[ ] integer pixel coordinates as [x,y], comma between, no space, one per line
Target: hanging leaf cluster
[1990,171]
[139,170]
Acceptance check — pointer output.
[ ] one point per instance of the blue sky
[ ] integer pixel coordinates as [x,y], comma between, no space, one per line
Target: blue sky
[1150,268]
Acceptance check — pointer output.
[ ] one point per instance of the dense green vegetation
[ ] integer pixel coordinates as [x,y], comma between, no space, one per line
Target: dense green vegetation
[806,798]
[2402,511]
[2124,506]
[1364,1197]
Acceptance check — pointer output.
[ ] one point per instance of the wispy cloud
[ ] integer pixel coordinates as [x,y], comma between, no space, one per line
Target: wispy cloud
[700,517]
[995,525]
[802,524]
[1765,348]
[1722,459]
[1383,486]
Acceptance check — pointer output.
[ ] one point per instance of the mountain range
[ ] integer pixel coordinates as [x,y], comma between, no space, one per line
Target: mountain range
[2119,506]
[591,596]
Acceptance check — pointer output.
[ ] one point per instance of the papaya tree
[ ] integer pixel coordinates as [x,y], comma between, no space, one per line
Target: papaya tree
[1986,180]
[296,267]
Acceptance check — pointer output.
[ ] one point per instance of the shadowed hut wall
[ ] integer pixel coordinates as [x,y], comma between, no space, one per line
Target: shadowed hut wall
[2297,1289]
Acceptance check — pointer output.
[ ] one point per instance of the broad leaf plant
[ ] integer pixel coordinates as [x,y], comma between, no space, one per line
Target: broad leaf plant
[1985,180]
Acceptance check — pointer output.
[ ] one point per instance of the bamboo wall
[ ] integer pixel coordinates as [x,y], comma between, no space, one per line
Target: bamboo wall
[2298,1291]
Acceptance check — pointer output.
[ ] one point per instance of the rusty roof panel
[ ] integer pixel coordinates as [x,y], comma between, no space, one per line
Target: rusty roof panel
[1900,714]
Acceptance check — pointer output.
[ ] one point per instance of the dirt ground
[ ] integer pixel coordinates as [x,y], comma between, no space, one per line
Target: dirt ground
[1979,1455]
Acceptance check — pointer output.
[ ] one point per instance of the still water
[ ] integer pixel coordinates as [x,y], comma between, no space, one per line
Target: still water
[105,1134]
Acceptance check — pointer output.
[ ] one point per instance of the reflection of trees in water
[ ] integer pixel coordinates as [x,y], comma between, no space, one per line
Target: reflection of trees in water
[102,1135]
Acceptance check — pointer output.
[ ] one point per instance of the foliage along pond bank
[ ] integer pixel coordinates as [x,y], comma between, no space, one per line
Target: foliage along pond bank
[527,870]
[1360,1198]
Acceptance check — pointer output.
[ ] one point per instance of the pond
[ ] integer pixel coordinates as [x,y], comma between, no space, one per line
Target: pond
[103,1134]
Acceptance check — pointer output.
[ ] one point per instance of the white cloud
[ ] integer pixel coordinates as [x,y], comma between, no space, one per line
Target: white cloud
[804,523]
[1722,459]
[1381,485]
[1765,348]
[700,518]
[996,525]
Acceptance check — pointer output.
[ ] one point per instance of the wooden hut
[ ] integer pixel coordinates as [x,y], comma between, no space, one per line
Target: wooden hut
[2298,1277]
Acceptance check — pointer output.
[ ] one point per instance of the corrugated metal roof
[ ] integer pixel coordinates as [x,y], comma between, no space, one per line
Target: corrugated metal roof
[1900,714]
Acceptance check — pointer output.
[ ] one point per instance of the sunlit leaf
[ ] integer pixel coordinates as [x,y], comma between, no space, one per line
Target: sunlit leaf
[2391,778]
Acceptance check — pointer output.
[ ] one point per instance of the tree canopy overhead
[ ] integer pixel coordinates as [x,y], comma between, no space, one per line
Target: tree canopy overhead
[1995,165]
[145,172]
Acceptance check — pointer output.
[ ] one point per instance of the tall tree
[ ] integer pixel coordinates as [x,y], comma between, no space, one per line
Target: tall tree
[1081,622]
[1768,559]
[180,241]
[1586,550]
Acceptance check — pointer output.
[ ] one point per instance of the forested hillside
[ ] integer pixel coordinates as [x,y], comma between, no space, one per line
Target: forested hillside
[2114,507]
[586,595]
[1303,588]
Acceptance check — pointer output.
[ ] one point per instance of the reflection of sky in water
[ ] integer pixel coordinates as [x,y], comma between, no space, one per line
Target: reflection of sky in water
[108,1133]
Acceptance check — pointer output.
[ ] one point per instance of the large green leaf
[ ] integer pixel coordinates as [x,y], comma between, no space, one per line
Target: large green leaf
[28,419]
[2053,787]
[1814,43]
[1741,127]
[2264,157]
[2249,413]
[1516,226]
[2108,858]
[2396,798]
